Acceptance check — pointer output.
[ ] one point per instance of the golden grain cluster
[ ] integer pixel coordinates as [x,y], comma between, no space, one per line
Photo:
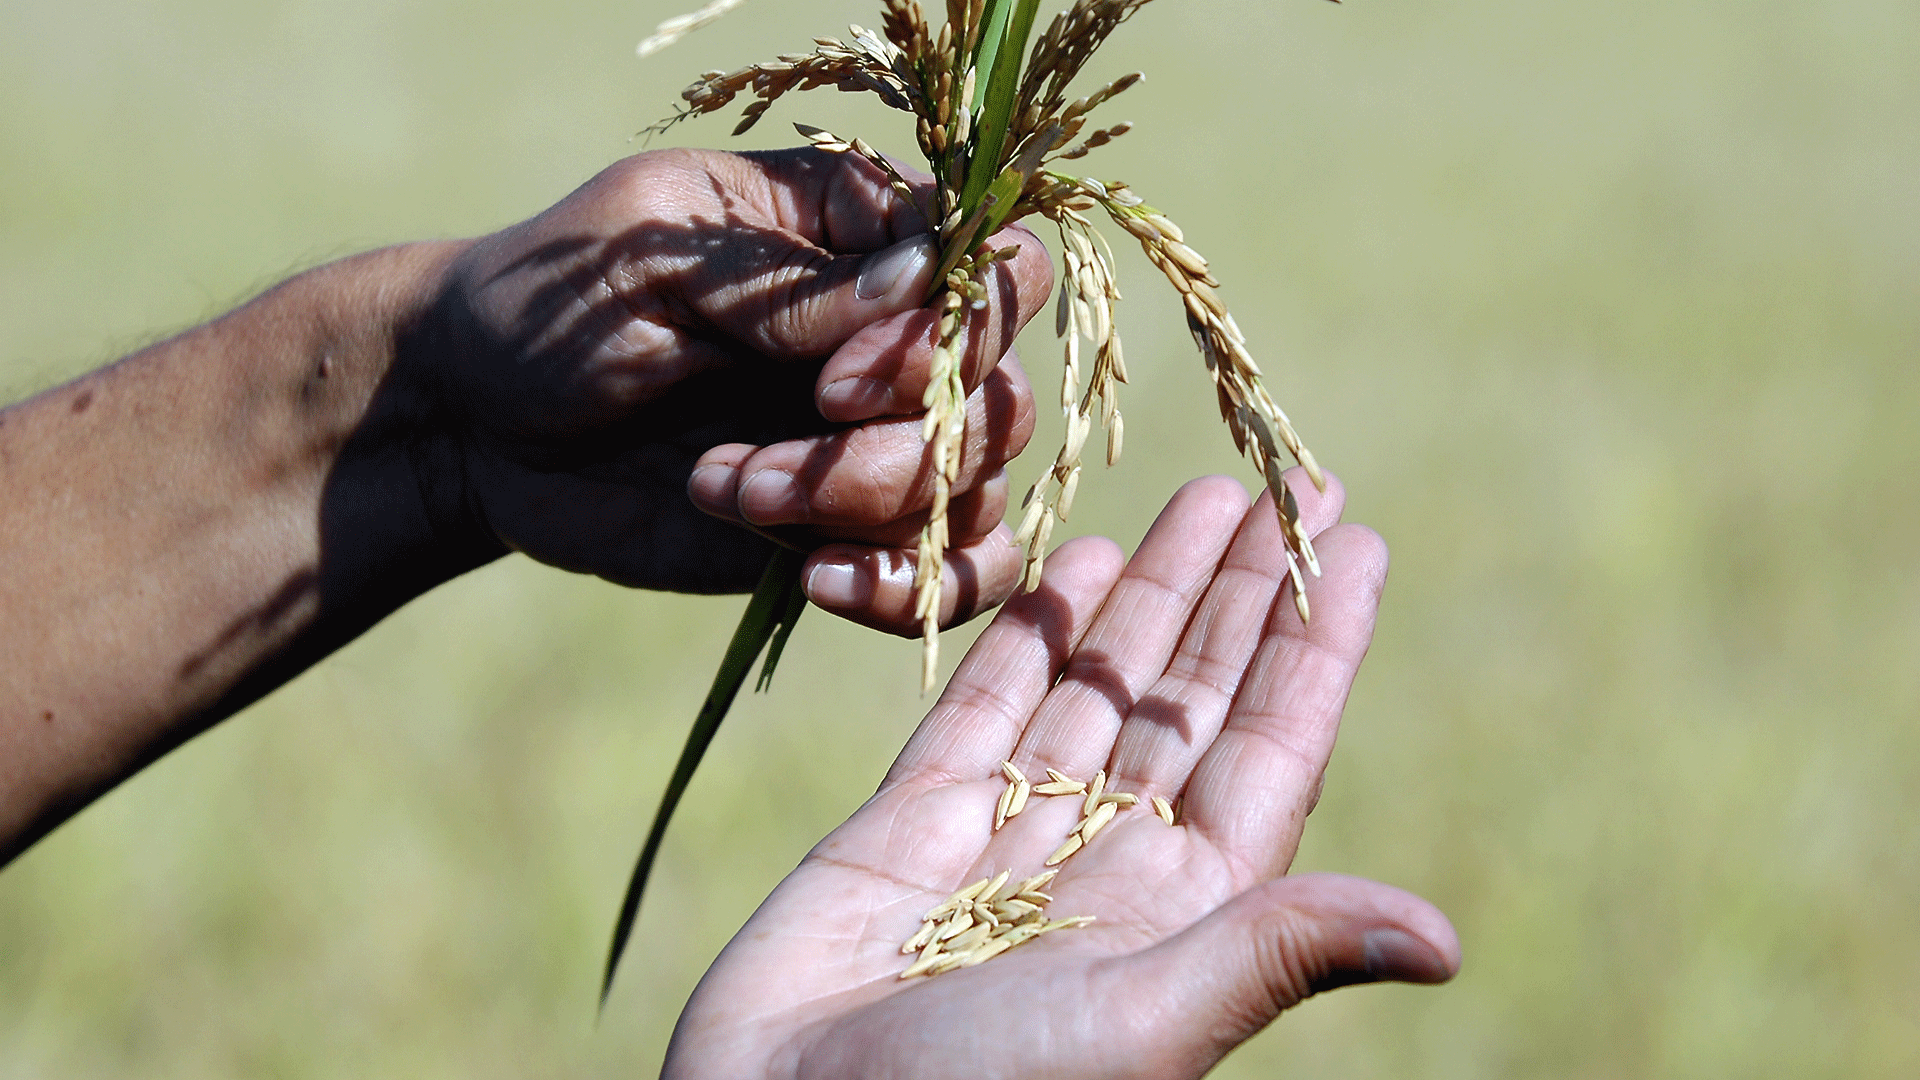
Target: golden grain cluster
[994,123]
[996,914]
[990,139]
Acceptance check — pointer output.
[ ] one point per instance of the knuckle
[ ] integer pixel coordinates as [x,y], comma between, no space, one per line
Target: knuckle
[793,302]
[863,484]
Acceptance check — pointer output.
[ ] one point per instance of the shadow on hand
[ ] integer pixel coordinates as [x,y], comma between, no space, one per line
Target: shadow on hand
[547,386]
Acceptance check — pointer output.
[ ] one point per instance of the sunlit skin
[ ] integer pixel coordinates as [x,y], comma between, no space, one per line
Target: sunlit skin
[1184,672]
[689,344]
[613,386]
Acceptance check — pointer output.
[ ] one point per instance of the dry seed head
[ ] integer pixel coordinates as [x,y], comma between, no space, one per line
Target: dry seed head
[1029,522]
[823,139]
[1096,140]
[944,430]
[1189,260]
[1300,603]
[1041,534]
[680,26]
[1258,425]
[905,23]
[912,69]
[1087,292]
[1036,564]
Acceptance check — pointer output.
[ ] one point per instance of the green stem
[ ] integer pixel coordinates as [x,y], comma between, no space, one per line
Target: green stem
[776,605]
[1001,63]
[993,26]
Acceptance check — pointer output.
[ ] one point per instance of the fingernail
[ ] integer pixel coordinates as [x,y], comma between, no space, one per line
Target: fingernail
[1398,955]
[711,488]
[888,268]
[856,398]
[839,585]
[770,497]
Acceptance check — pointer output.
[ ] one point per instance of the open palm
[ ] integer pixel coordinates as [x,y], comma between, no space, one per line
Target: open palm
[1184,673]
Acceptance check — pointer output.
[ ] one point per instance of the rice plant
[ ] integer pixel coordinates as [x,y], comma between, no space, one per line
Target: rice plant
[997,130]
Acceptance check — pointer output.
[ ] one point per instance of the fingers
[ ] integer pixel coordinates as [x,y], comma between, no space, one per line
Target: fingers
[612,526]
[840,202]
[1175,721]
[874,586]
[884,369]
[787,254]
[987,704]
[1217,983]
[1127,648]
[971,515]
[834,250]
[866,476]
[785,299]
[1253,788]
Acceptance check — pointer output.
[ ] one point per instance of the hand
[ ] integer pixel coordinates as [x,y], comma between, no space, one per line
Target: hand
[1186,674]
[678,348]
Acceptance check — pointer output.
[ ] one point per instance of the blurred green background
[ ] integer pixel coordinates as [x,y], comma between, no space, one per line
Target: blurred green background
[1607,313]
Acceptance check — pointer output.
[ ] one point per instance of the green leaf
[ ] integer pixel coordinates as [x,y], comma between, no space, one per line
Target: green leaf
[791,607]
[1003,89]
[993,26]
[1006,194]
[769,618]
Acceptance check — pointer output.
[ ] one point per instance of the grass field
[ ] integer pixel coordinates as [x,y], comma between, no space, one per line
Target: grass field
[1608,315]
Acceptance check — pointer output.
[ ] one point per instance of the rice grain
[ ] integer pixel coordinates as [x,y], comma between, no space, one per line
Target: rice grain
[1018,803]
[1098,820]
[1061,853]
[1094,790]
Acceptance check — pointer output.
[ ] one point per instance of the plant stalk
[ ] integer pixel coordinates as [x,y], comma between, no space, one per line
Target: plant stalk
[776,605]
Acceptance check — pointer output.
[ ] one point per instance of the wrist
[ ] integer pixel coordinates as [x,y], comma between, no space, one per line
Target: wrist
[396,498]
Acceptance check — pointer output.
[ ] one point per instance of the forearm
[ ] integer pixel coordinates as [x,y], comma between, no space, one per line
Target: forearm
[186,529]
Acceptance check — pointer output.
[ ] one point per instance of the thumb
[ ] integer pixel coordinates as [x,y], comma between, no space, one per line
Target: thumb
[1227,976]
[798,302]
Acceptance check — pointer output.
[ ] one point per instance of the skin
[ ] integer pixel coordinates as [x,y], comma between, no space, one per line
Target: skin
[615,386]
[1184,672]
[689,344]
